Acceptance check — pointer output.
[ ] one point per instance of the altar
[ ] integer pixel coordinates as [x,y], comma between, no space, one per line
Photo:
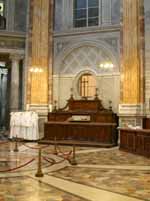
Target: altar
[84,122]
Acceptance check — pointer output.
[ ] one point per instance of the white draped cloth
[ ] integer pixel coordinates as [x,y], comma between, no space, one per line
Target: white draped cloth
[24,125]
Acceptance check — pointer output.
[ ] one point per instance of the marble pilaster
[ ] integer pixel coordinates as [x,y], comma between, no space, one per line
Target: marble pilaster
[40,42]
[131,108]
[40,57]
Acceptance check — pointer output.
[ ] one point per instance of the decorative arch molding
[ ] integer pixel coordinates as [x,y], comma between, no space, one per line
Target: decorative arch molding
[75,44]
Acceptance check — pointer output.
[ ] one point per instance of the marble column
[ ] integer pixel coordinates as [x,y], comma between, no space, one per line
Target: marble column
[3,97]
[131,108]
[14,93]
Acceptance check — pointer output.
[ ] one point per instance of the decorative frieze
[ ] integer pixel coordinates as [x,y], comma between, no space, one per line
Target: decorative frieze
[12,43]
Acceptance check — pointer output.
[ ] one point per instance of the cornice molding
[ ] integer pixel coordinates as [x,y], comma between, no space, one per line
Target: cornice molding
[13,34]
[79,31]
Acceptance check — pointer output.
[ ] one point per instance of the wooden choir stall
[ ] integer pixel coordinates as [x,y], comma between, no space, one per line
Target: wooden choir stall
[135,140]
[84,122]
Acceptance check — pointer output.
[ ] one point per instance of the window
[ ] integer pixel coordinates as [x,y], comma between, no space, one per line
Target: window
[86,13]
[87,85]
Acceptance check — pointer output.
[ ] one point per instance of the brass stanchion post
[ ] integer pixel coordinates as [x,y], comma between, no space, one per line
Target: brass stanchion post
[16,145]
[55,146]
[39,171]
[73,159]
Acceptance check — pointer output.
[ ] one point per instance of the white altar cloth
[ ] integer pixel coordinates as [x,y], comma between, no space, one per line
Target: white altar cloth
[24,125]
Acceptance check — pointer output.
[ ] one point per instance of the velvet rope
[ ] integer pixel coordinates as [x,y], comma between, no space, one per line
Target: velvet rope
[46,159]
[23,165]
[64,154]
[4,142]
[37,148]
[50,160]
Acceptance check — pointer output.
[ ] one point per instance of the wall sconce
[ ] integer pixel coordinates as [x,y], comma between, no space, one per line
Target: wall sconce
[36,70]
[34,74]
[106,65]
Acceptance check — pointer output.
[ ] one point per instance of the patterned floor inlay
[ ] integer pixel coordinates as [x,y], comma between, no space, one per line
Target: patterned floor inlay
[131,183]
[95,172]
[28,189]
[112,157]
[26,158]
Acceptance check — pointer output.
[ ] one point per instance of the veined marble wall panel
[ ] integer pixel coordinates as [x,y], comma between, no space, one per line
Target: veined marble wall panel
[110,90]
[20,15]
[147,55]
[11,42]
[61,89]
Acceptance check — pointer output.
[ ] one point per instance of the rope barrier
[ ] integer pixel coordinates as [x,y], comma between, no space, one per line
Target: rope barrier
[50,160]
[65,155]
[4,142]
[55,161]
[45,152]
[37,148]
[68,154]
[23,165]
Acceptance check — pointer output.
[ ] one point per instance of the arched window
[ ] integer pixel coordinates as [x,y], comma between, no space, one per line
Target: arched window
[86,13]
[87,85]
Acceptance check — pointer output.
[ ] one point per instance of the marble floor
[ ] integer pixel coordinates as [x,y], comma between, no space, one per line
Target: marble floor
[100,174]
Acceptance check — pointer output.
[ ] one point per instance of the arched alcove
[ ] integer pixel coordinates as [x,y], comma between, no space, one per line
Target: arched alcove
[81,55]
